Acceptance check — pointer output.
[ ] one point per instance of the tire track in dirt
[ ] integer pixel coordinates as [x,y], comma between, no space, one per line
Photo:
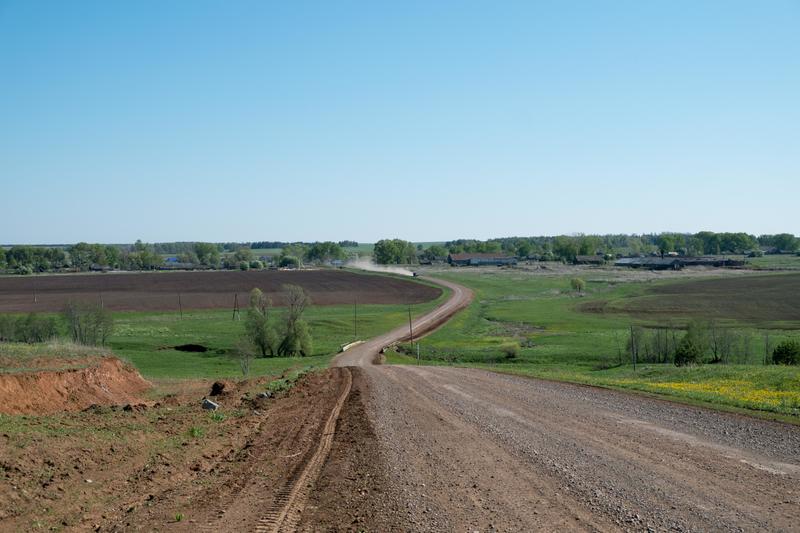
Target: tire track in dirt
[285,513]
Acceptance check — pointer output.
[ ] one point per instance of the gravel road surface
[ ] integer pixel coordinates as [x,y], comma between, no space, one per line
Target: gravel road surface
[470,450]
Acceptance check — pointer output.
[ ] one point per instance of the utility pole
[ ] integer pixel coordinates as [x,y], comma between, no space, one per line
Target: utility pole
[180,305]
[410,328]
[236,306]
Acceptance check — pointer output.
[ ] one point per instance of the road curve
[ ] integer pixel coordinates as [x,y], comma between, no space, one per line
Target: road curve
[470,450]
[365,354]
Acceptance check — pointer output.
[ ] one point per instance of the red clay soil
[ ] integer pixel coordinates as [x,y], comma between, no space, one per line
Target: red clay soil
[159,291]
[100,381]
[168,466]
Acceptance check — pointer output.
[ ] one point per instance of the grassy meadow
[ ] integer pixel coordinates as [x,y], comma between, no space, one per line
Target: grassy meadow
[781,262]
[148,339]
[558,333]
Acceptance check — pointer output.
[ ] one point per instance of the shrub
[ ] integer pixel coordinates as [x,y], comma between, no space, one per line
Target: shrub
[578,284]
[256,265]
[510,350]
[244,265]
[24,270]
[688,351]
[787,353]
[34,328]
[289,261]
[30,328]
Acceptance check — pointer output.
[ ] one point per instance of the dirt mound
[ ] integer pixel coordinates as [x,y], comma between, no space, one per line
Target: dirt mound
[101,381]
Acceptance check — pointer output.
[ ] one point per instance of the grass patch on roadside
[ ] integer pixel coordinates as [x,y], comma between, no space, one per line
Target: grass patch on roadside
[286,383]
[771,388]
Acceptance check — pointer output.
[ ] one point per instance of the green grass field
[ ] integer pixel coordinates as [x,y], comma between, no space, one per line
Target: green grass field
[560,341]
[788,262]
[148,339]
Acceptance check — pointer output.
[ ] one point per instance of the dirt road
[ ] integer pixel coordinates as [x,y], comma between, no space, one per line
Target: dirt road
[450,449]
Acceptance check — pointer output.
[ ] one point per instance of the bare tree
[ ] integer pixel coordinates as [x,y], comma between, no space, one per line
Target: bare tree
[297,337]
[88,324]
[244,354]
[297,300]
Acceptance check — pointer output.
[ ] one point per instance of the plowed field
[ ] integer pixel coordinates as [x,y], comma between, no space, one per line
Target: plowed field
[160,291]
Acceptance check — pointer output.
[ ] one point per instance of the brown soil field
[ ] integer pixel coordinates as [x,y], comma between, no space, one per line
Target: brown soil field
[159,291]
[757,299]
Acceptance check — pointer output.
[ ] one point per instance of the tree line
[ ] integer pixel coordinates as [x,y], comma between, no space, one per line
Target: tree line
[568,247]
[83,256]
[267,245]
[82,322]
[705,342]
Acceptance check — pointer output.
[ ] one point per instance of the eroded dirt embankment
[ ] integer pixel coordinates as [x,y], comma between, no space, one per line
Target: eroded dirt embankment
[101,381]
[169,466]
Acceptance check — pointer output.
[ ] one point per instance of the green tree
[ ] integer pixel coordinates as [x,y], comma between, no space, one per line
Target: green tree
[434,252]
[589,244]
[394,252]
[297,250]
[289,261]
[207,254]
[243,255]
[565,248]
[691,348]
[80,256]
[258,327]
[666,243]
[786,353]
[35,328]
[321,252]
[20,256]
[785,242]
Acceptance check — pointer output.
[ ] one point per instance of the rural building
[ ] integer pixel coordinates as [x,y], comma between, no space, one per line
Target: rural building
[481,259]
[675,263]
[653,263]
[711,261]
[590,259]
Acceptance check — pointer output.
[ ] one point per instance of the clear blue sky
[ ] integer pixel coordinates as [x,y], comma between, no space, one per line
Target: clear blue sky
[422,120]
